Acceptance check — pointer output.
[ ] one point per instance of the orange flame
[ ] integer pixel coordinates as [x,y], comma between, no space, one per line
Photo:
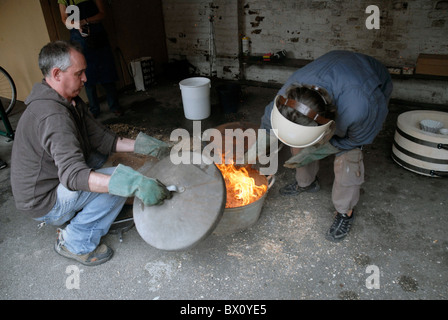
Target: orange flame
[241,188]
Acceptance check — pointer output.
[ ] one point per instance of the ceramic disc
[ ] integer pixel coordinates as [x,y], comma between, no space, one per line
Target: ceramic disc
[190,215]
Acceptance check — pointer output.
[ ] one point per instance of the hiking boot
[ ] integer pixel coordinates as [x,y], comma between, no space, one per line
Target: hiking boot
[340,227]
[293,189]
[98,256]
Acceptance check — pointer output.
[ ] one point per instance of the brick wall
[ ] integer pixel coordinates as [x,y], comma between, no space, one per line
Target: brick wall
[205,33]
[208,34]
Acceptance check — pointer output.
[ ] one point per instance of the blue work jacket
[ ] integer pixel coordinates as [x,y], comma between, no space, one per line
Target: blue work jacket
[360,88]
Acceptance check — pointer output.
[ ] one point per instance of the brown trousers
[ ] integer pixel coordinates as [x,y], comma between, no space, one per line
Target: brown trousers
[348,178]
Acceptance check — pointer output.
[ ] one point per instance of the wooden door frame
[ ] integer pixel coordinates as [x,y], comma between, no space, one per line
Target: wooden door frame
[52,20]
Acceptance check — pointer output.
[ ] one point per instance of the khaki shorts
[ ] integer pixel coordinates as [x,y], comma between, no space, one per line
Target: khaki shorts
[349,176]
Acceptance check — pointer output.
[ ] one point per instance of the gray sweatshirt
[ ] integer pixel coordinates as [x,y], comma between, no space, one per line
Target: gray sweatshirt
[52,141]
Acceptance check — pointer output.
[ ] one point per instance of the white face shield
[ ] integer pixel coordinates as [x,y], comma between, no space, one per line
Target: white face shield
[293,134]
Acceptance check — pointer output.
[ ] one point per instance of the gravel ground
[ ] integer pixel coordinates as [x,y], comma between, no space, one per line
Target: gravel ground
[397,249]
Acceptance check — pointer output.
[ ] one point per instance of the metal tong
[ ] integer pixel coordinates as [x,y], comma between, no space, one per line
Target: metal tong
[174,188]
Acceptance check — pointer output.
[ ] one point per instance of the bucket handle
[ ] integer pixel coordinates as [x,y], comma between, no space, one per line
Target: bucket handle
[271,180]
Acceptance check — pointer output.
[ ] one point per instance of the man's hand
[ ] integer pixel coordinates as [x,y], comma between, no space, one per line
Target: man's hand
[127,182]
[151,146]
[311,154]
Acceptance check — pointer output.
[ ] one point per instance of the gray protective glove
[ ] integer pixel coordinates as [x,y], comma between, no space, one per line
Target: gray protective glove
[310,154]
[151,146]
[127,182]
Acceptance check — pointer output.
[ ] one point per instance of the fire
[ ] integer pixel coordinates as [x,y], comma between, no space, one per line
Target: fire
[241,188]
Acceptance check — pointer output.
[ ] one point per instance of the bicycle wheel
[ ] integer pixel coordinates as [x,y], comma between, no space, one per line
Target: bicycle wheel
[8,92]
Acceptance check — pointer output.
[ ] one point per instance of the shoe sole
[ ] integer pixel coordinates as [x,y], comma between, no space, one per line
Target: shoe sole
[90,264]
[330,237]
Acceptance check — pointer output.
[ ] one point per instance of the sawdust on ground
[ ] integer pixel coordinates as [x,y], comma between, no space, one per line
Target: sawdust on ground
[128,131]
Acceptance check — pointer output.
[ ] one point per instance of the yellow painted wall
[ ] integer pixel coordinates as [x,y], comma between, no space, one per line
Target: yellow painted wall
[22,34]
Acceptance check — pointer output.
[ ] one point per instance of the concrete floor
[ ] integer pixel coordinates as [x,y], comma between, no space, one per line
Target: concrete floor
[399,239]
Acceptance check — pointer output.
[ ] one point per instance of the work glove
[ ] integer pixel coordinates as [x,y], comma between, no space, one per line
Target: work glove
[151,146]
[311,154]
[127,182]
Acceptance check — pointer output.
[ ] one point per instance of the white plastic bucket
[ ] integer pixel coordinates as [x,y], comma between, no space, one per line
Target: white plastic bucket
[196,97]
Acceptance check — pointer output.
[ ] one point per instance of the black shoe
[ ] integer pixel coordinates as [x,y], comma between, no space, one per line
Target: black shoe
[293,189]
[340,227]
[2,164]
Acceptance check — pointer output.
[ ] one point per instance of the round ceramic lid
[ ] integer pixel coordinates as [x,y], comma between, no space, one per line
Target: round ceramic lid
[192,213]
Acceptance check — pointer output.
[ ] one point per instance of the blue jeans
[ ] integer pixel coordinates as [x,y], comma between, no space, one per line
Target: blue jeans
[100,70]
[111,95]
[89,214]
